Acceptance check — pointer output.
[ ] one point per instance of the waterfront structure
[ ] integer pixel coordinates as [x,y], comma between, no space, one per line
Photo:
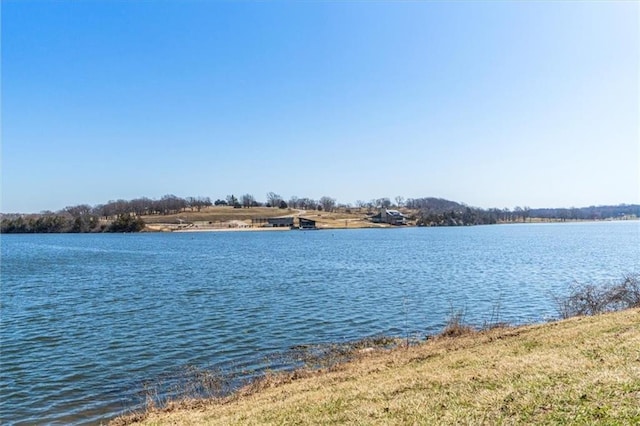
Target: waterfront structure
[391,217]
[307,223]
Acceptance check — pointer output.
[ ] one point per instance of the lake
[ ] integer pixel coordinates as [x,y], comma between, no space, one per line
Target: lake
[90,320]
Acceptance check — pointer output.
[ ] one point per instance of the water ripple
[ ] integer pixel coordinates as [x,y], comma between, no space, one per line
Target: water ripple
[89,320]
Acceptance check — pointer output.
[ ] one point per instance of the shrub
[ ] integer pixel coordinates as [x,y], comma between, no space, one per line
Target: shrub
[455,325]
[126,223]
[591,299]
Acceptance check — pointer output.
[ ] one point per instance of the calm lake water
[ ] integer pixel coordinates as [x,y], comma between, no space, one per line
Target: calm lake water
[88,320]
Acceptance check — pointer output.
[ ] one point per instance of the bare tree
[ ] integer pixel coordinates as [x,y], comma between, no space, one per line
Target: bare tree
[328,203]
[307,203]
[273,199]
[83,218]
[519,213]
[232,200]
[247,200]
[78,211]
[171,204]
[506,212]
[198,202]
[383,202]
[293,202]
[399,201]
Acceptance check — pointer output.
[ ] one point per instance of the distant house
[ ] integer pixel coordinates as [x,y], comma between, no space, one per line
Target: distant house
[391,217]
[307,223]
[280,222]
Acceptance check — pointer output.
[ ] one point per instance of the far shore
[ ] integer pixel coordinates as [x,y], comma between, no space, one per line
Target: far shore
[172,227]
[226,218]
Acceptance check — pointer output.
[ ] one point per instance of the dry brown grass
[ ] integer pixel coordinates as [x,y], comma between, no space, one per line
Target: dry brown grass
[336,220]
[223,216]
[583,370]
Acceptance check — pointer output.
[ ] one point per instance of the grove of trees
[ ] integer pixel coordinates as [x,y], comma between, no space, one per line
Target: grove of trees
[113,216]
[61,222]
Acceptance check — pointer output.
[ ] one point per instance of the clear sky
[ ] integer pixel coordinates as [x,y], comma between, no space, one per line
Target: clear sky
[496,104]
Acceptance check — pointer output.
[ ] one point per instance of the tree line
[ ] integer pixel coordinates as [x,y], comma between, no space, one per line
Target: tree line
[66,223]
[588,213]
[113,216]
[125,215]
[167,204]
[441,212]
[276,200]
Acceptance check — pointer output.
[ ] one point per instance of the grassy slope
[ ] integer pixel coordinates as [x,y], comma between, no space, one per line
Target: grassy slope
[580,371]
[219,214]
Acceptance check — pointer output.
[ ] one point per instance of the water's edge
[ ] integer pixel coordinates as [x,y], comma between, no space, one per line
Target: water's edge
[90,322]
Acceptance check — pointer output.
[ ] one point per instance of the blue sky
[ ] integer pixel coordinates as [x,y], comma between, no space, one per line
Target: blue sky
[496,104]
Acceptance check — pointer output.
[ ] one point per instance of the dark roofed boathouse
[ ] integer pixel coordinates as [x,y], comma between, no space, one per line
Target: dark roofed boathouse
[273,222]
[307,223]
[280,222]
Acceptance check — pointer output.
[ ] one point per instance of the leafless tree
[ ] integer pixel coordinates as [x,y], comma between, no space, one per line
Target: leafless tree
[273,199]
[519,213]
[293,202]
[141,206]
[198,202]
[328,203]
[171,204]
[232,200]
[383,202]
[247,200]
[78,211]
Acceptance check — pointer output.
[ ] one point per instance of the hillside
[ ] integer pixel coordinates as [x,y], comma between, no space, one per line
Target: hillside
[171,213]
[217,217]
[583,370]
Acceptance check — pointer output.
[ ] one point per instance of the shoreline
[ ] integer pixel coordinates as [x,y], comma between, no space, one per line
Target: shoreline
[498,375]
[166,227]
